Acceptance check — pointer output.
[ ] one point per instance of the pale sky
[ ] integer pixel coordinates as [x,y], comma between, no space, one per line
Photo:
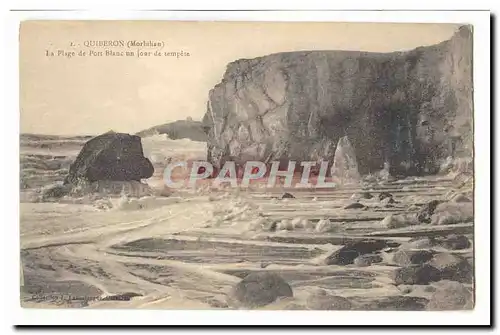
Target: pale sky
[91,95]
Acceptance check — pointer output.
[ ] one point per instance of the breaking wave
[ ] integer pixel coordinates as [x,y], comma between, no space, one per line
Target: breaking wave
[159,149]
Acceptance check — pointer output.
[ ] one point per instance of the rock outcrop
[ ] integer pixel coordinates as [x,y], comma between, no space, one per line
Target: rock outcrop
[410,110]
[110,156]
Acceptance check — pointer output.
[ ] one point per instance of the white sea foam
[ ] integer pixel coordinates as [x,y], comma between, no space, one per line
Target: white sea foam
[159,148]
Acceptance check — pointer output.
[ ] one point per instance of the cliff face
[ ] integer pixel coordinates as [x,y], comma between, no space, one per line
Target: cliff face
[409,109]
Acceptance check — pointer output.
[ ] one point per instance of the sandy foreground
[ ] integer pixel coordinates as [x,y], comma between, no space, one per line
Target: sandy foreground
[187,250]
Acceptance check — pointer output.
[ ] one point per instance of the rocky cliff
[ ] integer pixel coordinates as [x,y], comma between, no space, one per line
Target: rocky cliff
[408,109]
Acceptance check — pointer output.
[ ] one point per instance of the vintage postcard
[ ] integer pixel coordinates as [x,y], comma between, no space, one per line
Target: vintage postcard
[246,165]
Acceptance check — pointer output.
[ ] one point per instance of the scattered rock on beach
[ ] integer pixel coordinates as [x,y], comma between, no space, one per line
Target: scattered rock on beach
[259,289]
[348,253]
[355,205]
[409,257]
[455,242]
[287,195]
[452,267]
[322,300]
[384,195]
[416,274]
[366,195]
[426,212]
[450,295]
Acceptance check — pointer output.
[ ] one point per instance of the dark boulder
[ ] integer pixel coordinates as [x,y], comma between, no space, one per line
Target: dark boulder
[322,300]
[416,274]
[408,257]
[455,242]
[355,205]
[287,195]
[366,195]
[452,267]
[384,195]
[259,289]
[110,156]
[426,212]
[348,253]
[450,295]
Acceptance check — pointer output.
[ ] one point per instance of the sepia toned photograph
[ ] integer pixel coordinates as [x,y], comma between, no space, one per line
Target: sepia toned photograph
[194,165]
